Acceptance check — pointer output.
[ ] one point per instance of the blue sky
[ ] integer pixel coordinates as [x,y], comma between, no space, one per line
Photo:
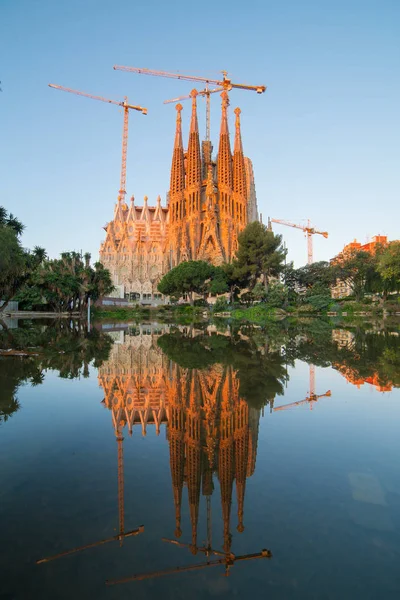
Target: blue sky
[324,138]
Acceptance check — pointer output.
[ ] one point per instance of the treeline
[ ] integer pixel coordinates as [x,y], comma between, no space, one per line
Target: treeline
[259,273]
[66,348]
[37,282]
[259,258]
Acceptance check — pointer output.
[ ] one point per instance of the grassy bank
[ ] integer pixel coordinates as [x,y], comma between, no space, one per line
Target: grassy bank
[165,313]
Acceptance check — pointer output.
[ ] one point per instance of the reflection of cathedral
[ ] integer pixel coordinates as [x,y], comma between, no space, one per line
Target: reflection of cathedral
[210,429]
[209,202]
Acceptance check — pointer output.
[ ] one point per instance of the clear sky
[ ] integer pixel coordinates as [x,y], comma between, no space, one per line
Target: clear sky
[324,138]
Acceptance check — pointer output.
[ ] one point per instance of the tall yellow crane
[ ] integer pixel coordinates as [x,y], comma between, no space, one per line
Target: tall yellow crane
[127,107]
[223,84]
[308,230]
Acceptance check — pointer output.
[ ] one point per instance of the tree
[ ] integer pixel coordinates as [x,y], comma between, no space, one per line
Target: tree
[357,268]
[218,281]
[260,255]
[11,222]
[68,282]
[320,274]
[12,263]
[193,276]
[388,267]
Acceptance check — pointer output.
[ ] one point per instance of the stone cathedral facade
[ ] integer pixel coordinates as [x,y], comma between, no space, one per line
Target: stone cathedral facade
[209,202]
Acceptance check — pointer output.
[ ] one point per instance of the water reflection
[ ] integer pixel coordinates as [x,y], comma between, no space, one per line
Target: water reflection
[29,351]
[207,390]
[212,430]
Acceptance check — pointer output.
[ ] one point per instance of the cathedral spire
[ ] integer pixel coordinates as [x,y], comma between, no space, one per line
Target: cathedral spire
[239,169]
[224,150]
[178,162]
[193,152]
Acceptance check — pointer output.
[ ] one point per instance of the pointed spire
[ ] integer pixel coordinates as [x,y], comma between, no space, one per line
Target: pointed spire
[239,169]
[158,213]
[224,151]
[194,128]
[193,152]
[177,183]
[145,216]
[132,210]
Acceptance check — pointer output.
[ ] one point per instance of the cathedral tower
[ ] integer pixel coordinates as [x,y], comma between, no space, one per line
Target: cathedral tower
[210,201]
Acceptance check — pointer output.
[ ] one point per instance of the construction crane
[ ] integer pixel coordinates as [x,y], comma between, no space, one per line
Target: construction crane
[122,533]
[127,107]
[308,230]
[223,84]
[312,396]
[207,93]
[228,560]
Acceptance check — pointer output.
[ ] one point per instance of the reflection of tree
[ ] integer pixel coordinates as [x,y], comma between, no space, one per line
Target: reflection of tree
[259,368]
[360,355]
[62,347]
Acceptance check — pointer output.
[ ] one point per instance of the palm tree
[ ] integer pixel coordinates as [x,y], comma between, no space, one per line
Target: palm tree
[8,220]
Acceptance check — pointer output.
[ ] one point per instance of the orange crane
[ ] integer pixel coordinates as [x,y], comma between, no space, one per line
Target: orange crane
[312,396]
[223,84]
[127,107]
[308,230]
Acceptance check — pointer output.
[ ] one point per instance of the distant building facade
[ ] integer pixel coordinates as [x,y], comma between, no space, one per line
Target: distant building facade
[209,202]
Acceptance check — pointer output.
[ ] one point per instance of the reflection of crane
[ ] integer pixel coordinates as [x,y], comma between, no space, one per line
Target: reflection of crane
[228,560]
[207,93]
[308,230]
[312,396]
[93,545]
[122,534]
[224,84]
[126,107]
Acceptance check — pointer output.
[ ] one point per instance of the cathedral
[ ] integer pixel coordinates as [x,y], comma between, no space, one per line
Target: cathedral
[210,201]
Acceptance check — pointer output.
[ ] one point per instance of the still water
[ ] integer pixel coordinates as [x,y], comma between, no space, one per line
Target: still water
[267,459]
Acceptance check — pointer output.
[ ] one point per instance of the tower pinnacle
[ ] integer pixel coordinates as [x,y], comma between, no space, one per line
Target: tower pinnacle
[178,162]
[239,169]
[193,152]
[224,150]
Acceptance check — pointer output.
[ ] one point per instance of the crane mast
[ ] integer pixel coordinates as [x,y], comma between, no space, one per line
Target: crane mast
[127,107]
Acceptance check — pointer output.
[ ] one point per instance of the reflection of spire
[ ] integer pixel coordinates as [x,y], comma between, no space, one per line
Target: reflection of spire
[176,418]
[121,507]
[226,459]
[193,461]
[241,457]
